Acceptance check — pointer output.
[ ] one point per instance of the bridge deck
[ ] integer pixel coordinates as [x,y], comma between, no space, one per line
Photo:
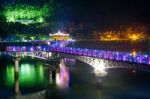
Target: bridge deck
[140,58]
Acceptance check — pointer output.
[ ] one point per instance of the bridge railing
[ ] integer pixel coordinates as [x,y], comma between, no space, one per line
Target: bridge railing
[27,48]
[111,55]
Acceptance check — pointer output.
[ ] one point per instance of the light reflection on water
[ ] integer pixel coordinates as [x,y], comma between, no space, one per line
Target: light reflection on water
[29,75]
[34,76]
[77,77]
[62,78]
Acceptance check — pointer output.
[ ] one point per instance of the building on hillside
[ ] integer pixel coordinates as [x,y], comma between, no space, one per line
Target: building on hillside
[59,36]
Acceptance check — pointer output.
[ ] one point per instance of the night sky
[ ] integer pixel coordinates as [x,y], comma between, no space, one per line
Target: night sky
[105,12]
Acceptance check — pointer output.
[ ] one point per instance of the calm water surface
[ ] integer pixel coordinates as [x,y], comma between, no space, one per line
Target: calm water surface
[73,80]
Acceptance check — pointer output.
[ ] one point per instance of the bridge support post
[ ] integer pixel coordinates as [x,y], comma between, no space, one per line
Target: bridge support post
[17,65]
[17,89]
[52,79]
[16,59]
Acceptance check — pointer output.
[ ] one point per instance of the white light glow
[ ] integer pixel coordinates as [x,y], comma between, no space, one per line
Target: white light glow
[50,54]
[48,43]
[99,68]
[59,34]
[31,49]
[58,80]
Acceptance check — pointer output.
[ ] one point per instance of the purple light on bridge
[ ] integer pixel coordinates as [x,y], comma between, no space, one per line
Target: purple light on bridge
[39,47]
[31,49]
[117,56]
[24,47]
[110,55]
[140,59]
[99,55]
[124,57]
[14,49]
[105,55]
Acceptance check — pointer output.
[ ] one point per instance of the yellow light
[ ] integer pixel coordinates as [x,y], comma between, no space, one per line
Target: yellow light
[134,53]
[134,37]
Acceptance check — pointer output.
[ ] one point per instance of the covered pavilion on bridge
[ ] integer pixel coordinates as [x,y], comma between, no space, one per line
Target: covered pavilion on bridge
[60,36]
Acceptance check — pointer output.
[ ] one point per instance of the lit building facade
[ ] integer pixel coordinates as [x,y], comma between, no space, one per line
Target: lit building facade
[59,36]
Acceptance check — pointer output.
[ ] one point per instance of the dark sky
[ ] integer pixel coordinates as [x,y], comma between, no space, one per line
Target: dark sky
[107,12]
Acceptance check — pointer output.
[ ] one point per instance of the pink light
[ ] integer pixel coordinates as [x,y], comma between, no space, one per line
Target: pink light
[62,78]
[110,55]
[105,55]
[140,59]
[117,56]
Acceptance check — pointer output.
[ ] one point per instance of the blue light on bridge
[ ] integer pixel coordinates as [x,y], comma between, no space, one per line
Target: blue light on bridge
[44,49]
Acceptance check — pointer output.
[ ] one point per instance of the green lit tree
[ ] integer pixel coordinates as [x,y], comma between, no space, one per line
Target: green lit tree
[28,14]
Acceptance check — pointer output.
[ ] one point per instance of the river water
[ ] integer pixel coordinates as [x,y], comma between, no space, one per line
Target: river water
[72,80]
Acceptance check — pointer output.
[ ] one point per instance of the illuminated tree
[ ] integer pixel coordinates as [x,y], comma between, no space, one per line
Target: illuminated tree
[28,14]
